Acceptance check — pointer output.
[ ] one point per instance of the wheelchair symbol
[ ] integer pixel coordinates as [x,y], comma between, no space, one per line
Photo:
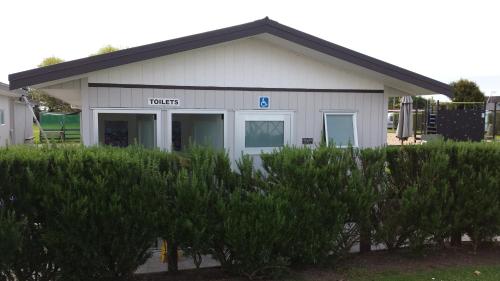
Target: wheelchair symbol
[264,102]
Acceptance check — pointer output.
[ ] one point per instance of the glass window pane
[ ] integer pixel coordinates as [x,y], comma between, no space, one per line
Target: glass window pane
[340,129]
[264,133]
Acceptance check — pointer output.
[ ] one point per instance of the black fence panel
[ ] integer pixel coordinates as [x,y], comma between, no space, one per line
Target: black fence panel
[461,124]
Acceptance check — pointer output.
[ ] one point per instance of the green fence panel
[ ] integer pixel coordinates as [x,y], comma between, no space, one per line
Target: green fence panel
[58,125]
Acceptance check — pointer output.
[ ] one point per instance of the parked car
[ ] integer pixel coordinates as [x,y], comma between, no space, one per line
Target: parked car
[390,120]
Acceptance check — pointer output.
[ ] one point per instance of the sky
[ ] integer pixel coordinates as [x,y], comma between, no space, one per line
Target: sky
[441,39]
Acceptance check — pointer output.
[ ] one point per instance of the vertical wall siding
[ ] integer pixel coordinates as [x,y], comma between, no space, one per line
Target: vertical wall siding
[248,62]
[308,108]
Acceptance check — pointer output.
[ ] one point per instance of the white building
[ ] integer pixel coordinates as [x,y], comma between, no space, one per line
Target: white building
[247,88]
[16,119]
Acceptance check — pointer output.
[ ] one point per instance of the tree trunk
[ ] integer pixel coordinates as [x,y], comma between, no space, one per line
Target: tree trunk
[365,243]
[456,239]
[172,257]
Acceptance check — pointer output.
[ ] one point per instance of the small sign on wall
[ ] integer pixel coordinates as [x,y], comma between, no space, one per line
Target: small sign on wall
[164,102]
[307,140]
[264,102]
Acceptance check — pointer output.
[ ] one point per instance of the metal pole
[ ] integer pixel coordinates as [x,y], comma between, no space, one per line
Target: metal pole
[28,104]
[416,124]
[495,121]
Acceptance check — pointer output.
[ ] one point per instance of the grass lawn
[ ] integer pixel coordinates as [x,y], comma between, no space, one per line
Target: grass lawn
[458,264]
[36,134]
[443,274]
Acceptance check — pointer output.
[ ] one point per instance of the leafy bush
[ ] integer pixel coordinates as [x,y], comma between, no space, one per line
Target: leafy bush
[256,234]
[74,213]
[313,182]
[439,190]
[414,206]
[477,201]
[10,237]
[91,213]
[24,173]
[103,206]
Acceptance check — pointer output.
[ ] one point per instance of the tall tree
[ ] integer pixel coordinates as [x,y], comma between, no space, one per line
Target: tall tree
[466,91]
[53,104]
[394,102]
[105,49]
[42,99]
[419,102]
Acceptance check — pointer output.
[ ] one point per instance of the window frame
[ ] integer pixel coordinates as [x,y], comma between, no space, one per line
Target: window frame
[2,117]
[196,111]
[256,115]
[354,127]
[97,111]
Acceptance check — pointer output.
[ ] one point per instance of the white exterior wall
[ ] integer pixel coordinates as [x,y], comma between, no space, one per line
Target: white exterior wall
[5,128]
[308,108]
[247,62]
[22,123]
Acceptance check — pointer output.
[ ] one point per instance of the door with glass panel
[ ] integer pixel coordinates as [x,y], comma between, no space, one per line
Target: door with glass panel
[262,131]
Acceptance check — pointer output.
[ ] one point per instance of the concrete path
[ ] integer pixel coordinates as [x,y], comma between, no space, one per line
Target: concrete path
[154,263]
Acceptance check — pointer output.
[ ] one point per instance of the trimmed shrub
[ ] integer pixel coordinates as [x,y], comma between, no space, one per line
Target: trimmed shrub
[10,237]
[414,207]
[91,213]
[102,205]
[256,234]
[74,213]
[313,182]
[477,200]
[24,174]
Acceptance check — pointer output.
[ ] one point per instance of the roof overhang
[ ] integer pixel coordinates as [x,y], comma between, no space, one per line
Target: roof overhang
[263,26]
[5,91]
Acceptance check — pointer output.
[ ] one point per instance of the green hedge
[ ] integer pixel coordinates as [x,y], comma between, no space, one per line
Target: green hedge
[74,213]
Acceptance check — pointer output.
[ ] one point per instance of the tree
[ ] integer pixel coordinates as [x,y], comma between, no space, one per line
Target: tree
[419,102]
[105,49]
[40,98]
[50,61]
[394,102]
[466,91]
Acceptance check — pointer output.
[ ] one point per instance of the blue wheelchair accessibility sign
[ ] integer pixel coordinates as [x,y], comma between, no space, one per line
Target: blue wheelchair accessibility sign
[264,102]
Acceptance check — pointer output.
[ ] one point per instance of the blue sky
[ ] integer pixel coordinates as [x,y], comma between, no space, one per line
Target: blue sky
[445,40]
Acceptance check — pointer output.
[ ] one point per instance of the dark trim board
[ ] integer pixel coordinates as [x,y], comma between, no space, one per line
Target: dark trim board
[94,63]
[217,88]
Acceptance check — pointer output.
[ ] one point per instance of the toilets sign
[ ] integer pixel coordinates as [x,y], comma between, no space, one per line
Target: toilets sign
[164,102]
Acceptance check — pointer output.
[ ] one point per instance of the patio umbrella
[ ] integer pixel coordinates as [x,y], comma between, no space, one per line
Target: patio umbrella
[405,123]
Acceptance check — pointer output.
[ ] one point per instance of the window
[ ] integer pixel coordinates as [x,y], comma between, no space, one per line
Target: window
[258,131]
[340,129]
[127,127]
[264,133]
[2,117]
[203,129]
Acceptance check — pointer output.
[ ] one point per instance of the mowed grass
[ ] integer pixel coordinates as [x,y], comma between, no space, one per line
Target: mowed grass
[468,273]
[36,134]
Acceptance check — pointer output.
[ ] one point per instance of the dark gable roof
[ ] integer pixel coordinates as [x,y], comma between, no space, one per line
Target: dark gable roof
[85,65]
[492,99]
